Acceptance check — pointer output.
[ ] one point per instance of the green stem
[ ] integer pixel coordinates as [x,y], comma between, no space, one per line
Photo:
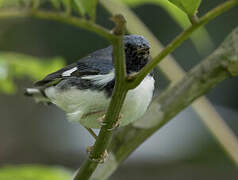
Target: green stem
[121,86]
[137,78]
[169,67]
[60,17]
[83,23]
[118,97]
[220,65]
[120,89]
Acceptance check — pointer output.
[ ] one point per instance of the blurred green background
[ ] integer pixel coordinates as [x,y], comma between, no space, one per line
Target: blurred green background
[31,133]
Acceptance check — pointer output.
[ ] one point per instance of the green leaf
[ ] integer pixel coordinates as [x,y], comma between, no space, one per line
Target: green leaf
[188,6]
[34,172]
[86,8]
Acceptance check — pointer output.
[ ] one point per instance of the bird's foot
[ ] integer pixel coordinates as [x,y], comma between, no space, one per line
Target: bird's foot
[117,124]
[100,159]
[101,120]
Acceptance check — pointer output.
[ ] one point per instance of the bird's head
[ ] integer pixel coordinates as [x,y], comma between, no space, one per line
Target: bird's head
[136,52]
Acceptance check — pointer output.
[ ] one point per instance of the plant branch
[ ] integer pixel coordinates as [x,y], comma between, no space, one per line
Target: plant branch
[172,70]
[135,26]
[59,17]
[220,65]
[120,89]
[118,96]
[137,78]
[75,23]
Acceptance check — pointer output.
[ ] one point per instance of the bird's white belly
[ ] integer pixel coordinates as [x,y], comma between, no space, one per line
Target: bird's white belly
[137,101]
[87,106]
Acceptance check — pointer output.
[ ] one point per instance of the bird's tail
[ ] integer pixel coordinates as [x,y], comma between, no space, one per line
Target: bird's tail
[37,94]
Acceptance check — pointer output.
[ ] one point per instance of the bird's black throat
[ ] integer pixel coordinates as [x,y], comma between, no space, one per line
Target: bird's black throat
[135,59]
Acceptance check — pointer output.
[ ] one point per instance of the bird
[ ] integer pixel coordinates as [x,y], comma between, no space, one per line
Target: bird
[84,89]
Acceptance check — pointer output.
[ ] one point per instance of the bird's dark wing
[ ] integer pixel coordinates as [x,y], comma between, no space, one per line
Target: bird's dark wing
[98,62]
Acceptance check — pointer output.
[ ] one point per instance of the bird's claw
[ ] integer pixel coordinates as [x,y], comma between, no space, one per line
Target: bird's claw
[101,119]
[98,160]
[117,124]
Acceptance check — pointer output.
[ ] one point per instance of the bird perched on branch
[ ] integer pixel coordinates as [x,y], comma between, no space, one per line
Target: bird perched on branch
[84,89]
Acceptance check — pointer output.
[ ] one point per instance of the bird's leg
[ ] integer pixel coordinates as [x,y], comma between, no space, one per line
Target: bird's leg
[102,123]
[90,148]
[92,133]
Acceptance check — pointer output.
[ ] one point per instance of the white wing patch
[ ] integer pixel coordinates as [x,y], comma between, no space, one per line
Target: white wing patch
[102,79]
[68,73]
[32,90]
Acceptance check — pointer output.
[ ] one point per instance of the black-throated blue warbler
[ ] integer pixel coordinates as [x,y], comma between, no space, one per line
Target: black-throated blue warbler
[83,89]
